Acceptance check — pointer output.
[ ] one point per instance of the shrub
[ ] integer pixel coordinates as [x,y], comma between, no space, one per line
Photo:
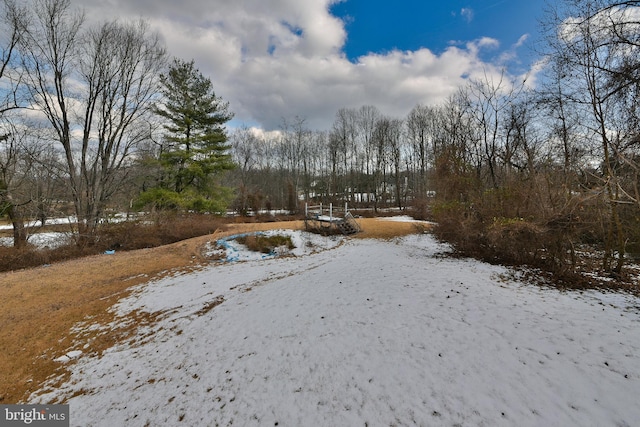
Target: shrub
[511,225]
[266,244]
[420,208]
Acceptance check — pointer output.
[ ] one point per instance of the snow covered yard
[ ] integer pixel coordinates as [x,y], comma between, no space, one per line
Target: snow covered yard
[42,240]
[368,332]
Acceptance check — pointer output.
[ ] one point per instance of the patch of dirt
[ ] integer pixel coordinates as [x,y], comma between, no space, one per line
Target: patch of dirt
[40,306]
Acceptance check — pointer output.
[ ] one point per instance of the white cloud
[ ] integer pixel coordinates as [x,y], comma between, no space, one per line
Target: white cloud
[512,53]
[626,20]
[265,135]
[530,79]
[467,13]
[280,58]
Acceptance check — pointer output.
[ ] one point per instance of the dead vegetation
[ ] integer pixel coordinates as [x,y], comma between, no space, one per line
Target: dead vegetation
[265,244]
[122,236]
[512,226]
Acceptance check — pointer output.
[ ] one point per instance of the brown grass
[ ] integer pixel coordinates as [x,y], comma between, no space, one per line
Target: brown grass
[39,306]
[373,228]
[265,244]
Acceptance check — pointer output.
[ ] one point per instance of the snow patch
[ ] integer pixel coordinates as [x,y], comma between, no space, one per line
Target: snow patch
[50,240]
[69,356]
[402,218]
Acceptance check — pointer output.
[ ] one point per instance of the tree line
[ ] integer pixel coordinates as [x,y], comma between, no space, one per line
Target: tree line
[98,117]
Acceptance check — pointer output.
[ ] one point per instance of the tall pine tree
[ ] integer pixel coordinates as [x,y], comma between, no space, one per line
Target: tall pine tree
[194,149]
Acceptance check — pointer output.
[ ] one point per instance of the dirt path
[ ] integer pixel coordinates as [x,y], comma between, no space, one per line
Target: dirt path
[39,306]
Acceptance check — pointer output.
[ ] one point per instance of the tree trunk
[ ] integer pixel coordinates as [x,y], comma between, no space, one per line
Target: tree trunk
[19,231]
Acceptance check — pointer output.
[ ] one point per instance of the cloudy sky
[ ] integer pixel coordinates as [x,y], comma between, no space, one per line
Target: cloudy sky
[275,59]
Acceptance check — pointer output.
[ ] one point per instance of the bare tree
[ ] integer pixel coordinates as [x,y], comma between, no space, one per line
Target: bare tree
[597,43]
[13,197]
[367,117]
[13,23]
[488,102]
[395,153]
[245,152]
[346,147]
[420,134]
[383,136]
[455,151]
[95,89]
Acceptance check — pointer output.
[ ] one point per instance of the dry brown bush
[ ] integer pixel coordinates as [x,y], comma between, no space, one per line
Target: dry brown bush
[30,256]
[265,244]
[511,225]
[514,240]
[419,209]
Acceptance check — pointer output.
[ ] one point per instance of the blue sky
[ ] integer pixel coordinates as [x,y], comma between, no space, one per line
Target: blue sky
[277,59]
[379,26]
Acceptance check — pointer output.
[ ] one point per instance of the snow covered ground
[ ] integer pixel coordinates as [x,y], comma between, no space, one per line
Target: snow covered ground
[367,332]
[51,239]
[49,221]
[41,240]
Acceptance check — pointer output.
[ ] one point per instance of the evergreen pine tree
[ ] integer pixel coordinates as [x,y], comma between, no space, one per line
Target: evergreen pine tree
[195,146]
